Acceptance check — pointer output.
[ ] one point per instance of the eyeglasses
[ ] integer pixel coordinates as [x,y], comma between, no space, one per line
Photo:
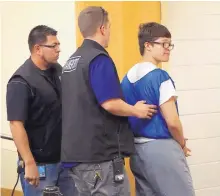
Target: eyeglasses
[103,16]
[54,46]
[165,45]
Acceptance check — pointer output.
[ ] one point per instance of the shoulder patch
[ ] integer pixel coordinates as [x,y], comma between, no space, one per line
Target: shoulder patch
[71,64]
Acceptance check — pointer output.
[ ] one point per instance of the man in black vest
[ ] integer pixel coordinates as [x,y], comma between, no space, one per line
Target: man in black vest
[95,132]
[34,112]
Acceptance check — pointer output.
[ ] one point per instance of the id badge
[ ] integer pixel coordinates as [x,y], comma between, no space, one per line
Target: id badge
[42,171]
[118,170]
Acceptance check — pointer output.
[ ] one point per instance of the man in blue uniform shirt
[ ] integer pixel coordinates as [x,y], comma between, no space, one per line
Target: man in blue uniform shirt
[95,133]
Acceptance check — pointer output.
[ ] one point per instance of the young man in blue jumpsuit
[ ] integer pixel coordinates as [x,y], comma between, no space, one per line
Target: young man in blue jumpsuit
[159,166]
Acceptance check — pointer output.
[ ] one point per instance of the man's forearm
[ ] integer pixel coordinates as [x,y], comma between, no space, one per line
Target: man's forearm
[170,114]
[177,133]
[21,141]
[120,108]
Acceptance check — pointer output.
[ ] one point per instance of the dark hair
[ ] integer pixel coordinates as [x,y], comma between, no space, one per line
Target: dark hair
[90,19]
[149,32]
[38,35]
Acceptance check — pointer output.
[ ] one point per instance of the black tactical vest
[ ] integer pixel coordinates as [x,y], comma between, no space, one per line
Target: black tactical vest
[43,125]
[89,133]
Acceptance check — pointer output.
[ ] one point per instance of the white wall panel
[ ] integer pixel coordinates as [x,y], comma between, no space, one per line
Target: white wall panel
[195,68]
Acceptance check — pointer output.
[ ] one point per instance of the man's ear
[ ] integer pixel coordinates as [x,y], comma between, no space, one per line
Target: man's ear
[147,46]
[36,49]
[102,30]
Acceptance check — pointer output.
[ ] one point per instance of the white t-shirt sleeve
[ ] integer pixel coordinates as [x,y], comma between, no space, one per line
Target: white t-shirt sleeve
[167,91]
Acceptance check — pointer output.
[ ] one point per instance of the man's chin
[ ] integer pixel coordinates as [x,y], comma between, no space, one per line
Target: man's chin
[54,61]
[51,63]
[165,60]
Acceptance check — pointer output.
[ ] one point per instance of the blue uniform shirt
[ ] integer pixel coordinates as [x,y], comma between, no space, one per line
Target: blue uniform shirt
[145,81]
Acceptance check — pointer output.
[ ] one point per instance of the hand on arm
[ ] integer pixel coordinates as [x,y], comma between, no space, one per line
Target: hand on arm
[107,89]
[120,108]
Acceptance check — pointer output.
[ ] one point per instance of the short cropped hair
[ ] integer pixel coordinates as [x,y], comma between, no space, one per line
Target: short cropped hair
[38,35]
[90,19]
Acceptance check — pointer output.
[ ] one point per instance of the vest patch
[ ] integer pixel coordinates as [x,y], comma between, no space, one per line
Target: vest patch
[71,64]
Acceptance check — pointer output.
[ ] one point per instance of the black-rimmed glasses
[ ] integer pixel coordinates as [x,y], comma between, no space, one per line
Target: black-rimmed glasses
[165,45]
[54,46]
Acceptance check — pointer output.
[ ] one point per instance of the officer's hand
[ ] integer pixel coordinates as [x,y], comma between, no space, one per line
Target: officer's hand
[145,110]
[31,174]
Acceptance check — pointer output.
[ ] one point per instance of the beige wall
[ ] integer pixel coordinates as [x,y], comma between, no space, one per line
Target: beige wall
[0,90]
[195,67]
[17,19]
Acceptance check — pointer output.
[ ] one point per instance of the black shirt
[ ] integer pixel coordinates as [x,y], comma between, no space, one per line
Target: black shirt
[19,96]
